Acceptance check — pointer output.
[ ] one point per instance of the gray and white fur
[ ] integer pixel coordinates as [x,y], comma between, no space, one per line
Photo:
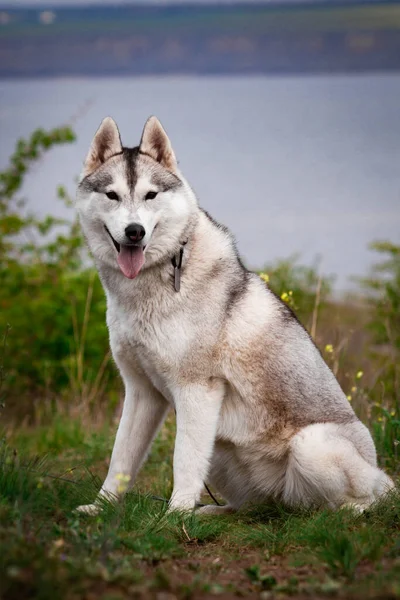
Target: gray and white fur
[259,414]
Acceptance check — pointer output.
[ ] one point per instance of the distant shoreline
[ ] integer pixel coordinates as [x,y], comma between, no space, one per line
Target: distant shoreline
[194,74]
[207,39]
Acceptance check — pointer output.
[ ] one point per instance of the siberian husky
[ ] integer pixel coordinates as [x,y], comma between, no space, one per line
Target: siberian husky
[259,414]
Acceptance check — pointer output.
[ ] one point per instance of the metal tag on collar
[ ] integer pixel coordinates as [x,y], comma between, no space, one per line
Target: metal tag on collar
[177,270]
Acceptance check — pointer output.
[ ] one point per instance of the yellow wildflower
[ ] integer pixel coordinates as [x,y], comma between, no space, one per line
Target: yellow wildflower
[123,482]
[349,398]
[392,413]
[354,389]
[329,348]
[122,477]
[359,374]
[288,298]
[265,277]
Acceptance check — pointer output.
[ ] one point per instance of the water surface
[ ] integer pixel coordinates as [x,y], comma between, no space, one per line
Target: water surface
[290,164]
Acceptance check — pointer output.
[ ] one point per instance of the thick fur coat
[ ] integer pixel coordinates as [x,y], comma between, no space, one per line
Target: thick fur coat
[259,413]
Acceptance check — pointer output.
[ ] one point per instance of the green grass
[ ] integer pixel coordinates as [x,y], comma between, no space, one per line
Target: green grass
[135,549]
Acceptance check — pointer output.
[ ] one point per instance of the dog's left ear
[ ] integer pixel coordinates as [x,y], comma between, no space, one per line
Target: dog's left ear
[105,144]
[156,144]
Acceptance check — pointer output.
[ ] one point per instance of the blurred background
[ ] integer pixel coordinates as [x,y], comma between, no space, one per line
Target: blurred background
[285,115]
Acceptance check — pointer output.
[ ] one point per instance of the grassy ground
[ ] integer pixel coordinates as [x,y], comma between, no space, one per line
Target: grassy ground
[135,550]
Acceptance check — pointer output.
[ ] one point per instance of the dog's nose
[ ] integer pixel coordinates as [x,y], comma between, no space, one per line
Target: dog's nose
[135,232]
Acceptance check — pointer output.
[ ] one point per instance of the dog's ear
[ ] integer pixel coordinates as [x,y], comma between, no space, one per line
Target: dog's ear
[156,144]
[106,142]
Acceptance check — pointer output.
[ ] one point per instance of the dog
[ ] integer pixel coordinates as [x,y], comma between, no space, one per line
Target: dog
[259,414]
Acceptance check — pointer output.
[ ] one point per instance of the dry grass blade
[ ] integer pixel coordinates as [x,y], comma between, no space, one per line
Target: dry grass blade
[316,307]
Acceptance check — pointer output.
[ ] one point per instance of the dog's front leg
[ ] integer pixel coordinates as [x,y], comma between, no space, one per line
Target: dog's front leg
[197,410]
[144,411]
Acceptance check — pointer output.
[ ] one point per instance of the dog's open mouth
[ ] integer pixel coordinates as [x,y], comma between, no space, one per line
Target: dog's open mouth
[130,257]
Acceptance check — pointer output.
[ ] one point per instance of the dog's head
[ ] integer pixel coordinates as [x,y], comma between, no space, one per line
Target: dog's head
[133,203]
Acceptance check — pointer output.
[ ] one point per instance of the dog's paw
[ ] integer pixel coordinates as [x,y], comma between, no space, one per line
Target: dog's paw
[357,509]
[213,509]
[183,509]
[89,509]
[181,505]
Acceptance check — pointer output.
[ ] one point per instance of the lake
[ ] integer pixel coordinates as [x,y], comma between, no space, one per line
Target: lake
[306,165]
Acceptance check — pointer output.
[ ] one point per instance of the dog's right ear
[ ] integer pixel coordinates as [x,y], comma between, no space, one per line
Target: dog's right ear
[106,142]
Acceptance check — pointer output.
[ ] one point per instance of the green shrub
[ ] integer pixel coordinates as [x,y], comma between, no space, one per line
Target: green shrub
[52,305]
[300,286]
[383,288]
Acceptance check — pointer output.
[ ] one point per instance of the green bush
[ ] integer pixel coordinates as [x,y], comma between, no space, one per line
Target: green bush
[383,288]
[301,287]
[52,305]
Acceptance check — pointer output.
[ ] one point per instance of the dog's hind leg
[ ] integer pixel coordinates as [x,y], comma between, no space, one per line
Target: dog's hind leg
[229,477]
[214,509]
[334,465]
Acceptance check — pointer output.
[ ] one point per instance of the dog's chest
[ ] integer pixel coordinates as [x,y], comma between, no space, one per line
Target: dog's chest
[164,349]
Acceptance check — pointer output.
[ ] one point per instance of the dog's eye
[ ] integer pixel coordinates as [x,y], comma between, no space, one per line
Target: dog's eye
[112,195]
[150,195]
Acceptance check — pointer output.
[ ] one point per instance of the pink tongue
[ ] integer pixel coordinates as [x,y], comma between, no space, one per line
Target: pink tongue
[130,260]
